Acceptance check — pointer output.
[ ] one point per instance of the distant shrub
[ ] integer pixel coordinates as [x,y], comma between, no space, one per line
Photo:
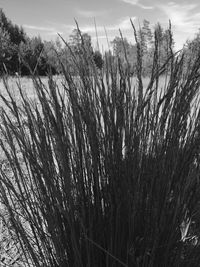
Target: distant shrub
[98,59]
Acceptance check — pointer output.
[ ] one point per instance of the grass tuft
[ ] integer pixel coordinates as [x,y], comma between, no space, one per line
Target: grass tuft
[103,170]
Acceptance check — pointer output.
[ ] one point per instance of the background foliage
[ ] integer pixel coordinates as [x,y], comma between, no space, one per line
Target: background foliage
[24,55]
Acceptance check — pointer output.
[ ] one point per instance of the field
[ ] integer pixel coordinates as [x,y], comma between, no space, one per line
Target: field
[26,84]
[28,87]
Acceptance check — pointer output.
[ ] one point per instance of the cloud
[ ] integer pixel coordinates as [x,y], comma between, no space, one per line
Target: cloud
[136,3]
[182,16]
[47,31]
[91,13]
[123,24]
[91,29]
[38,28]
[55,33]
[184,19]
[132,2]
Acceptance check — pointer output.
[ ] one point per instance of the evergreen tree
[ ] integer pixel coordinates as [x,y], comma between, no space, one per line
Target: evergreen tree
[10,36]
[97,56]
[5,49]
[17,34]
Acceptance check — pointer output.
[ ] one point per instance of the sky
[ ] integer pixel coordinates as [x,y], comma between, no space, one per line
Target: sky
[47,18]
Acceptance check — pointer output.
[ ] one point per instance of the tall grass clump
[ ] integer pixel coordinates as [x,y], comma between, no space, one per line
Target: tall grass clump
[104,171]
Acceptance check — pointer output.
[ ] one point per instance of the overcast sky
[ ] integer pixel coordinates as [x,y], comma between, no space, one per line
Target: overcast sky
[49,17]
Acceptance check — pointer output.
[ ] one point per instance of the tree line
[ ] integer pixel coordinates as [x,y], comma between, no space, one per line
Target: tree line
[24,55]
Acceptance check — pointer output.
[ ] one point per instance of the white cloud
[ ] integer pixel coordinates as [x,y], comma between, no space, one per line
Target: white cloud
[90,14]
[182,16]
[67,27]
[91,29]
[136,3]
[123,24]
[55,33]
[47,31]
[185,22]
[132,2]
[38,28]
